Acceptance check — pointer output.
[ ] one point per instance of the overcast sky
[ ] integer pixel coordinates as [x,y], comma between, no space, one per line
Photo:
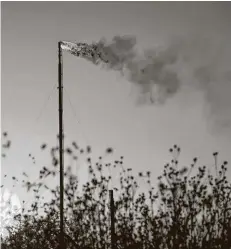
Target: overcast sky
[104,101]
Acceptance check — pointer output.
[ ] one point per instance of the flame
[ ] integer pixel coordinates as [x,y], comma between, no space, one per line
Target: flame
[161,71]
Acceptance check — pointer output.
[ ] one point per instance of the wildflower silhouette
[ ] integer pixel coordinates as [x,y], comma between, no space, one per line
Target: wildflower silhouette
[184,210]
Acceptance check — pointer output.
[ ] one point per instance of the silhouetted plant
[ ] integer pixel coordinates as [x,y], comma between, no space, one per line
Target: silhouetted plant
[185,211]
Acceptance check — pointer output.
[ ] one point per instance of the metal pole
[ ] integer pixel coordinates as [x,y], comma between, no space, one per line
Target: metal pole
[60,87]
[112,220]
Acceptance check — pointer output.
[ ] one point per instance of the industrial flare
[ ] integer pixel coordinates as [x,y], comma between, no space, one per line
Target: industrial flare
[161,71]
[90,52]
[149,73]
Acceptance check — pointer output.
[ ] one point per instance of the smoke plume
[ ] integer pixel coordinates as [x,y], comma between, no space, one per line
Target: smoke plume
[158,71]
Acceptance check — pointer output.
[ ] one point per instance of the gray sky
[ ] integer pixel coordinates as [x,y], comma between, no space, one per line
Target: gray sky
[103,100]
